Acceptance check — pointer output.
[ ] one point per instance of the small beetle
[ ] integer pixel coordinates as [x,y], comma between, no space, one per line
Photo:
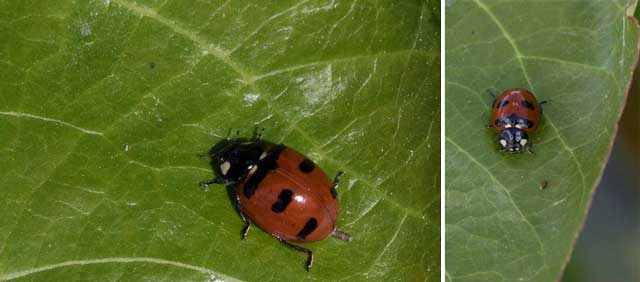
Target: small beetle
[280,190]
[515,113]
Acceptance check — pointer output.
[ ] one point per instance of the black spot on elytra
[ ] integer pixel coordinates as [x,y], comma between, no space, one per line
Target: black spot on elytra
[269,163]
[502,104]
[308,228]
[528,105]
[306,165]
[284,199]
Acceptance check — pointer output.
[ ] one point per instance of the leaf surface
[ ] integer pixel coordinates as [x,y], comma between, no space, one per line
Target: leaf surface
[578,56]
[106,107]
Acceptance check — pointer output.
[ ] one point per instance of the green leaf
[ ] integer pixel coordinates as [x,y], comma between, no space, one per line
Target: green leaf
[107,106]
[579,56]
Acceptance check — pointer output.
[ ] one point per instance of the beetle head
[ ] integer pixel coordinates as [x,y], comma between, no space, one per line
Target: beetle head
[233,159]
[513,140]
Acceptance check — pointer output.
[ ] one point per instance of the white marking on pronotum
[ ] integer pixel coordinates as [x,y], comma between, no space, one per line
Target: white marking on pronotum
[523,142]
[507,126]
[19,274]
[224,168]
[503,142]
[252,169]
[25,115]
[519,126]
[264,155]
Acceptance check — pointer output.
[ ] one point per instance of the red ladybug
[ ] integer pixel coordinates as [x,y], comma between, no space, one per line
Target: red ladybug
[280,190]
[515,113]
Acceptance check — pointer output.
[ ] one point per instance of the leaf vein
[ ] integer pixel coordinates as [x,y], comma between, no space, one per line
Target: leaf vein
[122,260]
[506,191]
[57,121]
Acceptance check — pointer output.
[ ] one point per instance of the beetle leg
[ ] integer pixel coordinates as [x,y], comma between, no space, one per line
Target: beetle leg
[540,103]
[247,223]
[344,236]
[530,148]
[336,180]
[260,134]
[206,183]
[302,250]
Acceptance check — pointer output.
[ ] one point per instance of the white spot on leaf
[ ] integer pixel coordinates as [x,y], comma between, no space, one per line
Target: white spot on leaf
[325,7]
[318,88]
[250,99]
[85,29]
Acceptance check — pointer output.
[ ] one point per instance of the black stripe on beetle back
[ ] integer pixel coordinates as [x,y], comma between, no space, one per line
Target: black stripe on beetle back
[528,105]
[283,201]
[502,122]
[269,163]
[308,228]
[502,104]
[515,120]
[334,193]
[306,165]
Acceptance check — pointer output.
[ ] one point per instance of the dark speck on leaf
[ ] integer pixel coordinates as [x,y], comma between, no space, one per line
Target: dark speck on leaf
[152,65]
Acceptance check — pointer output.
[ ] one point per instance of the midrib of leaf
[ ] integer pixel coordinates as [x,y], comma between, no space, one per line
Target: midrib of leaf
[221,54]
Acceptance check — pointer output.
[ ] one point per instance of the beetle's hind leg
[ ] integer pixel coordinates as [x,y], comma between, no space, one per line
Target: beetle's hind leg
[302,250]
[247,222]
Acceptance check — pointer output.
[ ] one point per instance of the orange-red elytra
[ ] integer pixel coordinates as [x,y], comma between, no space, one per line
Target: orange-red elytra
[515,114]
[280,190]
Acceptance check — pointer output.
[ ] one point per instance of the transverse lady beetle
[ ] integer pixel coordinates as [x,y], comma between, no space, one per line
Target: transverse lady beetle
[515,113]
[280,190]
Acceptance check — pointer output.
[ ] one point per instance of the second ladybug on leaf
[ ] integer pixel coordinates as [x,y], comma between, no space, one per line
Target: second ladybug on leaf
[280,190]
[515,114]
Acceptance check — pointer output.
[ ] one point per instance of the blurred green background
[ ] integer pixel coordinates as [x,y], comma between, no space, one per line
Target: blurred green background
[608,249]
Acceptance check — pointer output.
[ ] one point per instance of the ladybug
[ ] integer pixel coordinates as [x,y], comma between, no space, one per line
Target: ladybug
[280,190]
[515,114]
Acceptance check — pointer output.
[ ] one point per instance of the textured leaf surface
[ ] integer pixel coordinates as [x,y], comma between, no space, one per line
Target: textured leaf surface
[105,107]
[579,56]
